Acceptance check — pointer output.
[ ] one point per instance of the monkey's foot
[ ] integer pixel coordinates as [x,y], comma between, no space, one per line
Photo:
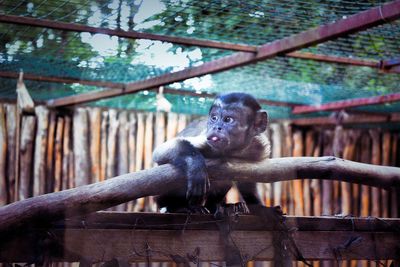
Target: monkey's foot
[231,209]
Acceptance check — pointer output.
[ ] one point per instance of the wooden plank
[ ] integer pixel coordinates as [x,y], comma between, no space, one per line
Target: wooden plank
[132,150]
[67,168]
[103,150]
[376,159]
[58,155]
[105,236]
[351,24]
[39,171]
[298,196]
[276,152]
[140,203]
[81,147]
[150,204]
[327,186]
[95,142]
[11,117]
[113,125]
[26,153]
[316,184]
[3,158]
[49,183]
[365,157]
[386,153]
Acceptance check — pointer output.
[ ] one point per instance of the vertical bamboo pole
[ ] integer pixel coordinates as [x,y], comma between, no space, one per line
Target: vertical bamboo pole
[394,200]
[112,143]
[132,151]
[172,125]
[58,155]
[123,146]
[39,171]
[365,190]
[298,149]
[327,186]
[67,153]
[81,147]
[4,199]
[103,143]
[11,121]
[376,159]
[348,153]
[277,147]
[139,155]
[386,153]
[309,151]
[148,152]
[26,155]
[95,143]
[49,185]
[316,184]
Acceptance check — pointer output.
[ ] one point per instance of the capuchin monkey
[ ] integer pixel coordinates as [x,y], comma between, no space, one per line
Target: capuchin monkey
[234,131]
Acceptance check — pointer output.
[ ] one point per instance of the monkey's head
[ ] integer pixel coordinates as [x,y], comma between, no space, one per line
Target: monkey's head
[233,121]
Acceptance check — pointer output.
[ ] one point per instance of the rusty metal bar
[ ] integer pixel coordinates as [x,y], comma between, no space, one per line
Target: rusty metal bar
[64,26]
[120,87]
[357,22]
[68,80]
[390,63]
[334,59]
[350,103]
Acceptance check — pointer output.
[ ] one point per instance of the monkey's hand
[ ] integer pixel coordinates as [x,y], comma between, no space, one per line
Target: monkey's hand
[188,159]
[198,183]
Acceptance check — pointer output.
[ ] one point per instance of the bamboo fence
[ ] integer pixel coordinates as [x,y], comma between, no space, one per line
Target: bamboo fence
[56,151]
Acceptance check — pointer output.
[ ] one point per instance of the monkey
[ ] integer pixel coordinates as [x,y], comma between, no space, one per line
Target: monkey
[234,131]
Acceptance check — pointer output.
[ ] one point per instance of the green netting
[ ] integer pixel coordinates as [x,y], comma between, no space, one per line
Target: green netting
[96,57]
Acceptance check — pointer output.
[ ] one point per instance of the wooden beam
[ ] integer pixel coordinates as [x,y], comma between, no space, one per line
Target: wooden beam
[64,26]
[167,237]
[350,121]
[350,103]
[111,192]
[363,20]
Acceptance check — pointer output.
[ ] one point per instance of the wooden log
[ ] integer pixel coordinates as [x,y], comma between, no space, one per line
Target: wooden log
[11,118]
[150,204]
[49,185]
[376,159]
[349,153]
[316,184]
[26,155]
[39,170]
[4,198]
[113,126]
[122,151]
[276,152]
[365,190]
[81,147]
[58,155]
[95,142]
[139,206]
[132,151]
[67,168]
[327,186]
[298,196]
[395,192]
[97,196]
[103,158]
[386,153]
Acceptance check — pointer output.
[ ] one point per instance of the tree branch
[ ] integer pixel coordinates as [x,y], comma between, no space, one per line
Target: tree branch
[102,195]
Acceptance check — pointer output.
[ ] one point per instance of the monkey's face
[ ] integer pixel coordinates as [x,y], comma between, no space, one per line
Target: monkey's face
[229,127]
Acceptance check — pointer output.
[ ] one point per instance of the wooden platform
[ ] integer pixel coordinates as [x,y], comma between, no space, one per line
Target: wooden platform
[140,237]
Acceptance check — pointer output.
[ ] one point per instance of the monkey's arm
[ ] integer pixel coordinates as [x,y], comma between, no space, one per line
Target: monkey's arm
[182,152]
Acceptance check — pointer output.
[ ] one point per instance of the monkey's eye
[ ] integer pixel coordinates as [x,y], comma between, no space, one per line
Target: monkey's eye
[213,118]
[228,119]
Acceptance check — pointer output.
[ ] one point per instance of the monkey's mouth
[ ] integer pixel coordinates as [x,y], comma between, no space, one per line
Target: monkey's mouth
[216,141]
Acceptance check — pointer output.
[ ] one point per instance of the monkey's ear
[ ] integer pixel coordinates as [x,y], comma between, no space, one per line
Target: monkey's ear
[261,121]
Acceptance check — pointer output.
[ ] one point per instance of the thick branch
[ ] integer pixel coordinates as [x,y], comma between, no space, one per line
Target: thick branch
[102,195]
